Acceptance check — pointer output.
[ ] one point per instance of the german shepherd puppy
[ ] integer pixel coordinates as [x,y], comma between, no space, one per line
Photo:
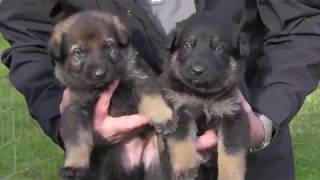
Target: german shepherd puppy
[91,51]
[200,82]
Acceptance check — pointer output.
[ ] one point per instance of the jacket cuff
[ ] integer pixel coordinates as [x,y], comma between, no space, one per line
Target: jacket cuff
[275,103]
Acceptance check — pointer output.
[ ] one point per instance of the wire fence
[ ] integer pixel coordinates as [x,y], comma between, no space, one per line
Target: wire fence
[25,152]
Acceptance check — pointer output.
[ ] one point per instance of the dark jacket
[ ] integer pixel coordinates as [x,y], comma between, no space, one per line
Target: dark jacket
[279,82]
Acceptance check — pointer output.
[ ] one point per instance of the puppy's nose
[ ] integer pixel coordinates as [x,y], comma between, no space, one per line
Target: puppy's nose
[99,73]
[197,70]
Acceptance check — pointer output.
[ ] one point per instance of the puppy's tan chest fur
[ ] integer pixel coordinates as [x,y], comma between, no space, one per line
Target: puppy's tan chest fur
[211,107]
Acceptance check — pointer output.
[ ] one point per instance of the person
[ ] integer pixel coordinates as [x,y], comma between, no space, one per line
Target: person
[278,83]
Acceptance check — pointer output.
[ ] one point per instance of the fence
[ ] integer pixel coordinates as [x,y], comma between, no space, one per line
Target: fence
[25,152]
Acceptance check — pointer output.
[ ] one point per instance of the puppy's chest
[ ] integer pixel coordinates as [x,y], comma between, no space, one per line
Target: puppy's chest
[212,109]
[124,100]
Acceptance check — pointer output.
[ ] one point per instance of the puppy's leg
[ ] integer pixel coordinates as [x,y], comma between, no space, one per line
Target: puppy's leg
[185,159]
[154,106]
[77,138]
[156,159]
[232,148]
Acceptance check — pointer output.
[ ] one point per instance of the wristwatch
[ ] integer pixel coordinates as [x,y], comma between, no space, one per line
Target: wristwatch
[268,131]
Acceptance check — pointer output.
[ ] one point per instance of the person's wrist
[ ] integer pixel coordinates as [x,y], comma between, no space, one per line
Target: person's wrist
[267,129]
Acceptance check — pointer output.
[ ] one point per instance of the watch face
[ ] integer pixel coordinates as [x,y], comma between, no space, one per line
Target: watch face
[155,2]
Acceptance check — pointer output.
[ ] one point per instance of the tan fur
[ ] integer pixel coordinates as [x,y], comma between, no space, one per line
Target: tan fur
[61,28]
[231,166]
[77,155]
[59,73]
[234,66]
[155,108]
[118,24]
[223,107]
[183,154]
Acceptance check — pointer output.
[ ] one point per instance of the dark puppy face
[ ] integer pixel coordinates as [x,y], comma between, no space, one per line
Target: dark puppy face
[205,55]
[89,49]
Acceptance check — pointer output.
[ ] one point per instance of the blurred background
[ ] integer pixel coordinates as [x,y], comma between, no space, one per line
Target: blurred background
[27,154]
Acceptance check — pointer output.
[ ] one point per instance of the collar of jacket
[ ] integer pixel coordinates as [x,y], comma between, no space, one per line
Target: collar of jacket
[131,5]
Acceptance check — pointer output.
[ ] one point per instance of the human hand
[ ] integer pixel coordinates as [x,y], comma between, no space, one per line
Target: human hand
[115,129]
[112,129]
[256,127]
[209,139]
[65,100]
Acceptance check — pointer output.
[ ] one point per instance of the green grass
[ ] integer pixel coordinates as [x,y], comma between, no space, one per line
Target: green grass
[306,136]
[27,154]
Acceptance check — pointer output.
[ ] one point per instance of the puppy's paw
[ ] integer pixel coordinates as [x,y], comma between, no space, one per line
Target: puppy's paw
[185,160]
[189,174]
[166,128]
[72,173]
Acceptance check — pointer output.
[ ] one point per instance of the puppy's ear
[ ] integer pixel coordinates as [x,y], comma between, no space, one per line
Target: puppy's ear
[243,42]
[246,27]
[122,32]
[57,41]
[173,37]
[55,45]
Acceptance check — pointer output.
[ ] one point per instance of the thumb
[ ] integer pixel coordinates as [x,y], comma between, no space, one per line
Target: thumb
[101,109]
[124,124]
[207,140]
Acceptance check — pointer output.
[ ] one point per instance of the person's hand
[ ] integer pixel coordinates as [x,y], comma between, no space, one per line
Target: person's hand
[65,100]
[112,129]
[256,126]
[209,139]
[115,129]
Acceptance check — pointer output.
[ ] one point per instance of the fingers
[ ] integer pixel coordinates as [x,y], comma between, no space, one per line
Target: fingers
[125,124]
[207,140]
[130,122]
[112,128]
[246,106]
[65,100]
[101,109]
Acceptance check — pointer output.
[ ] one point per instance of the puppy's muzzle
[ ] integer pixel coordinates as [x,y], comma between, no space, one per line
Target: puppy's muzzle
[197,70]
[99,73]
[96,73]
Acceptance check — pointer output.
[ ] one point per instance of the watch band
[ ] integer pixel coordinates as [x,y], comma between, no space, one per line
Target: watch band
[268,129]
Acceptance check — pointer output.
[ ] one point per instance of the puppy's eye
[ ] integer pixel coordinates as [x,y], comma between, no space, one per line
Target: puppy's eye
[79,52]
[109,44]
[187,45]
[218,49]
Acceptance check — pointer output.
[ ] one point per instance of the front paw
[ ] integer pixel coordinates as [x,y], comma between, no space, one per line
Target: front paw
[72,173]
[166,128]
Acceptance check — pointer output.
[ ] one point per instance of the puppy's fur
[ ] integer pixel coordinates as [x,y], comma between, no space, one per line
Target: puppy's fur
[91,50]
[200,83]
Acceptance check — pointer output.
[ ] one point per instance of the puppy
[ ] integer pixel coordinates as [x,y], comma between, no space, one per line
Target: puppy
[92,50]
[200,82]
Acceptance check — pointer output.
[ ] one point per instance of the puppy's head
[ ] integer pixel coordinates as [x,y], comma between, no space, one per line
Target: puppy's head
[205,54]
[89,49]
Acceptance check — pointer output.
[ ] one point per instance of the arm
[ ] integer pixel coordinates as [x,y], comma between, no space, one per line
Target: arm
[27,26]
[289,69]
[287,72]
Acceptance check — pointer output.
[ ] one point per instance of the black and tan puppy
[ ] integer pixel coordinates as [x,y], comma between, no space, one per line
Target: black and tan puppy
[201,84]
[91,50]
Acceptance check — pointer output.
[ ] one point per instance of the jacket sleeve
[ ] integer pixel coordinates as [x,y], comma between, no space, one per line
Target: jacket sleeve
[289,68]
[26,26]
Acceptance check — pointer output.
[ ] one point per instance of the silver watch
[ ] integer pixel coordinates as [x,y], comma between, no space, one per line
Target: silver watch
[268,129]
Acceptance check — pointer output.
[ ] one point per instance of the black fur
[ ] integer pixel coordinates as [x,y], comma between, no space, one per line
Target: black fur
[205,67]
[91,50]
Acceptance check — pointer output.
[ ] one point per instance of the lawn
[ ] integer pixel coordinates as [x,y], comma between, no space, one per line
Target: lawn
[27,154]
